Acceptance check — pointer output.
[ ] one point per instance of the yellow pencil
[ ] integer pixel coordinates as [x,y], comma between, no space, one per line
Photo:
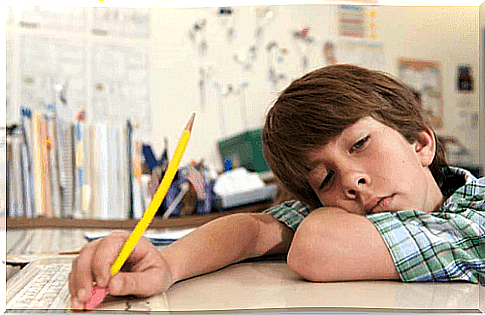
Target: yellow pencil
[142,225]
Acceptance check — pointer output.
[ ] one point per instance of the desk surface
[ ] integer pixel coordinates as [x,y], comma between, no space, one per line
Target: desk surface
[270,285]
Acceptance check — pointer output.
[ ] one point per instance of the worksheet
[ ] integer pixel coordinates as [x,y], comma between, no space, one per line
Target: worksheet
[43,284]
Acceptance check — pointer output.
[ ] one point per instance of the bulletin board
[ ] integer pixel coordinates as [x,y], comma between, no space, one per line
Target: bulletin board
[100,55]
[242,55]
[425,77]
[120,83]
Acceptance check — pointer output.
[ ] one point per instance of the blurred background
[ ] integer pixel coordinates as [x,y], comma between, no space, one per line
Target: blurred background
[107,90]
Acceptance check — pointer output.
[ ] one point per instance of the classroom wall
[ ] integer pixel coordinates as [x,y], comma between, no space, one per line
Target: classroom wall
[448,35]
[481,29]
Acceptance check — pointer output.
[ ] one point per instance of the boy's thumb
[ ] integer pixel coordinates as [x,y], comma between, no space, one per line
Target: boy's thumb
[142,284]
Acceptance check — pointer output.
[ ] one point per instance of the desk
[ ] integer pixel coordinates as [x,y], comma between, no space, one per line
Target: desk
[271,286]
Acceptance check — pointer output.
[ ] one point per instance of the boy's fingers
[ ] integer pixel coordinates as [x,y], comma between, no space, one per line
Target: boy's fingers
[77,305]
[93,264]
[105,254]
[80,277]
[146,283]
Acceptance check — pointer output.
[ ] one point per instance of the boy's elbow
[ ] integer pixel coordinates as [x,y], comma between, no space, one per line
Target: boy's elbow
[296,262]
[308,261]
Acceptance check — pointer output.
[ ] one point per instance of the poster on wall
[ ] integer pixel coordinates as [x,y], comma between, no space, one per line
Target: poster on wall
[352,21]
[46,61]
[465,80]
[364,53]
[121,83]
[425,77]
[65,18]
[121,22]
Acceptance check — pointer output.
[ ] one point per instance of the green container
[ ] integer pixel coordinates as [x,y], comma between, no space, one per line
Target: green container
[244,150]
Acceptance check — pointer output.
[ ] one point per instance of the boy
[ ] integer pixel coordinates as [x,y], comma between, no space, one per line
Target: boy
[376,199]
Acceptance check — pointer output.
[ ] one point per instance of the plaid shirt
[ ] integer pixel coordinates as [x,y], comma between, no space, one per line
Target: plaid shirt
[447,245]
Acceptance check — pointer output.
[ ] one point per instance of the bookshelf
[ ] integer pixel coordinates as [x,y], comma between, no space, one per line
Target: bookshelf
[176,222]
[59,164]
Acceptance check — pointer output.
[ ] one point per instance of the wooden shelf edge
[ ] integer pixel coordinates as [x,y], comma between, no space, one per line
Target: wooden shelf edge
[157,223]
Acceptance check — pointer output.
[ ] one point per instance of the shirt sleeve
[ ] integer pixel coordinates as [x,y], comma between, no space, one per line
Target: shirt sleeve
[290,213]
[448,245]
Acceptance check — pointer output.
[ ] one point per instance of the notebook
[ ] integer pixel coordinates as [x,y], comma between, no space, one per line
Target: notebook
[157,238]
[43,285]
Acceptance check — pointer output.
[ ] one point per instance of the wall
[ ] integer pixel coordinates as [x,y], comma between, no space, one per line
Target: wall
[448,35]
[481,29]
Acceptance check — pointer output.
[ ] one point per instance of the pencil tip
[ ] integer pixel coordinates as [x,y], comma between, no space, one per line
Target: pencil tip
[190,123]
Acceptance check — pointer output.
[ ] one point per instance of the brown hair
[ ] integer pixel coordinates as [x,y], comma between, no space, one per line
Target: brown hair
[321,104]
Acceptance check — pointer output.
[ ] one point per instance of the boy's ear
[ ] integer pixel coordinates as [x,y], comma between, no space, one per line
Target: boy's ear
[425,146]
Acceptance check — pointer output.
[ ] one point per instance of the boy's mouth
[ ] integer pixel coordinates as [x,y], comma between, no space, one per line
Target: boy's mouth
[379,203]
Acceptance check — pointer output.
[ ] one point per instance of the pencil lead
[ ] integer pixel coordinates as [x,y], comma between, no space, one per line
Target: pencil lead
[190,123]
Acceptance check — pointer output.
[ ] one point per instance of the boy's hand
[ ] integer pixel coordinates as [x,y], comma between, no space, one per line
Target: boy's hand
[145,272]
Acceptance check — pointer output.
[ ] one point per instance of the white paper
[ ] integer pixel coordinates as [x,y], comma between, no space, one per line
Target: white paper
[168,234]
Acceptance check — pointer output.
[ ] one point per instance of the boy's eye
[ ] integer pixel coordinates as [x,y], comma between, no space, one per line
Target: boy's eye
[327,181]
[359,144]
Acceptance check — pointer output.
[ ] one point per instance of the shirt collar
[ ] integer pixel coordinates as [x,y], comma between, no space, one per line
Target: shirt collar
[454,178]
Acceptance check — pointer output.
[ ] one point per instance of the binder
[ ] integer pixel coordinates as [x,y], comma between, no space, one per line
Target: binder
[26,130]
[37,142]
[46,183]
[79,166]
[54,158]
[66,166]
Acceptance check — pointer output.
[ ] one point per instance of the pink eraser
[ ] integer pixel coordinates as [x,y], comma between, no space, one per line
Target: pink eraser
[96,298]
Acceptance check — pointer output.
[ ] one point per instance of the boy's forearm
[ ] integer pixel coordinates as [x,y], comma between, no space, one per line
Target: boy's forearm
[213,246]
[333,245]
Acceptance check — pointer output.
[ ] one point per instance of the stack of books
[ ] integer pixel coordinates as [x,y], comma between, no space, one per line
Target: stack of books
[58,167]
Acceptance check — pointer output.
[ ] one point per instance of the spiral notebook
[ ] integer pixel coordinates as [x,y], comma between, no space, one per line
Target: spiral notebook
[157,238]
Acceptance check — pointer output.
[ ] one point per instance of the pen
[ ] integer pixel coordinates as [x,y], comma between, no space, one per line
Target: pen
[99,293]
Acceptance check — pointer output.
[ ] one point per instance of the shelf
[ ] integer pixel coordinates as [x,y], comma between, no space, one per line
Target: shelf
[187,221]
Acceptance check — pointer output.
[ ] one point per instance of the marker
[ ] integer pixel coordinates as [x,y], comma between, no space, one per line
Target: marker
[99,293]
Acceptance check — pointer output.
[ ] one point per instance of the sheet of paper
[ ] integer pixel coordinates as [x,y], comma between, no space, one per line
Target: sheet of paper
[11,115]
[123,22]
[364,53]
[43,241]
[151,235]
[46,62]
[43,284]
[121,83]
[67,18]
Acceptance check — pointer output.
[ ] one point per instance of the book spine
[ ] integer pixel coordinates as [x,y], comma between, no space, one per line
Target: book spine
[26,125]
[21,177]
[78,168]
[66,167]
[54,170]
[88,180]
[37,159]
[46,194]
[103,187]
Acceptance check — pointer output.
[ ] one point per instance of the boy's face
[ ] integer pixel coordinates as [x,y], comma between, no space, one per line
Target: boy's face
[371,168]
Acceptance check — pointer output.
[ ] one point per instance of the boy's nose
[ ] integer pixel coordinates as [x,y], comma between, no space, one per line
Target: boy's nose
[354,184]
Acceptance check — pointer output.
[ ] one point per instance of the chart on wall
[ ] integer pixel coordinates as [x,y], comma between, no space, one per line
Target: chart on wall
[9,84]
[95,54]
[65,18]
[425,77]
[121,84]
[364,53]
[122,22]
[47,61]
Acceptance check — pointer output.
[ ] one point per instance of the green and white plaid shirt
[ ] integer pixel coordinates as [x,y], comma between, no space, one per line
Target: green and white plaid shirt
[447,245]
